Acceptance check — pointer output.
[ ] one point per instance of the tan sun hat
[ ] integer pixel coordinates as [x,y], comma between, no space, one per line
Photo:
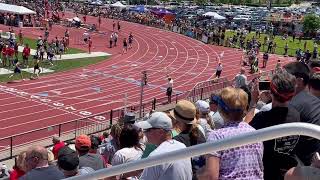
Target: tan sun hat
[185,112]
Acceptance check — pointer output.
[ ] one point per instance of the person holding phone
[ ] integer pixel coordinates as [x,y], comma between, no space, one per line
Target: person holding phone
[278,153]
[305,172]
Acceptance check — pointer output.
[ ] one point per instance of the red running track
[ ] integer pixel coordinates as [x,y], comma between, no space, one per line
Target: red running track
[73,94]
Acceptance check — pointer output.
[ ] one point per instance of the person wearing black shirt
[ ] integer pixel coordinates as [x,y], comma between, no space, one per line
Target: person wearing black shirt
[314,84]
[309,108]
[278,155]
[184,116]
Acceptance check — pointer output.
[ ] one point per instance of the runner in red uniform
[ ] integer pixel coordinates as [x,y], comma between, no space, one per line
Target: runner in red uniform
[10,52]
[25,55]
[4,55]
[84,19]
[99,20]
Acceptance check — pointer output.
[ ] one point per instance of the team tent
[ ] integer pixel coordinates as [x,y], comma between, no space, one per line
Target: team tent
[161,12]
[139,9]
[118,4]
[214,15]
[8,8]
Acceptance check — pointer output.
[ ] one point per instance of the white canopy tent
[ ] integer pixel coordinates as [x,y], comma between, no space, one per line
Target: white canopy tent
[214,15]
[118,4]
[8,8]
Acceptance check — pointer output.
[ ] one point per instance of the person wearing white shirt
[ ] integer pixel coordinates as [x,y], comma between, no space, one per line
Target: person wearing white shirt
[158,131]
[218,70]
[169,89]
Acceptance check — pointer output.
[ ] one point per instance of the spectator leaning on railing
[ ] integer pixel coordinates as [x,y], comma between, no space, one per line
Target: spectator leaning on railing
[279,154]
[235,163]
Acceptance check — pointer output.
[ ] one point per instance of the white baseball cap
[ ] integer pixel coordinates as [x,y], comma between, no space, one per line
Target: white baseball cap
[203,106]
[156,120]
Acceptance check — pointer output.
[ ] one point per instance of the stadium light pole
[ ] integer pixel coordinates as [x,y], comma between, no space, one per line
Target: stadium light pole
[143,83]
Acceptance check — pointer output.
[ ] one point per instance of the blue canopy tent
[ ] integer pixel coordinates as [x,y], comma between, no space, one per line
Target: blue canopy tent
[139,9]
[162,12]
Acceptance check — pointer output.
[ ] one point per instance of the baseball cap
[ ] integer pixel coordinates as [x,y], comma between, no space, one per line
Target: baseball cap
[203,106]
[185,112]
[68,159]
[129,117]
[83,141]
[156,120]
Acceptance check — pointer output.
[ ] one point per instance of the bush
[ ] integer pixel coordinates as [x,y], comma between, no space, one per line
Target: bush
[311,23]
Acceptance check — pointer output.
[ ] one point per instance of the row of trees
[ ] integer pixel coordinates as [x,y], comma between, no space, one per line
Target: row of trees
[311,24]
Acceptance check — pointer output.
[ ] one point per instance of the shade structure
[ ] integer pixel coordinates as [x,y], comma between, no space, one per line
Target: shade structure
[139,9]
[9,8]
[118,4]
[214,15]
[97,2]
[162,12]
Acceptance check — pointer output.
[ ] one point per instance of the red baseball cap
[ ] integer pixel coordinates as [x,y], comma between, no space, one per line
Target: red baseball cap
[83,141]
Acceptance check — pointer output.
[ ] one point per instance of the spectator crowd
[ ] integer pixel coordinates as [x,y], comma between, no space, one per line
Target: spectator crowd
[292,95]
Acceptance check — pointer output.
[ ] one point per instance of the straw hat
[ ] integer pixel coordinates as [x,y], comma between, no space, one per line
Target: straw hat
[185,112]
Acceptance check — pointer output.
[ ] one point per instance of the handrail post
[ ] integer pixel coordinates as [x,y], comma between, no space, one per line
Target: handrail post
[59,130]
[154,103]
[11,146]
[75,129]
[111,115]
[176,98]
[142,110]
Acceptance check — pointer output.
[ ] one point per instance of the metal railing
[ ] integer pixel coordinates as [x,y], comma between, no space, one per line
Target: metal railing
[265,134]
[204,89]
[11,146]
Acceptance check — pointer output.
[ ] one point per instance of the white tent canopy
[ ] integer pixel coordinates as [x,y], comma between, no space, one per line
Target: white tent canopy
[118,4]
[214,15]
[15,9]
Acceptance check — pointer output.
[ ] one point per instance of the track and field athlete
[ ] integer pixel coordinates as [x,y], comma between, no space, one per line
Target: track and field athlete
[130,40]
[125,46]
[17,70]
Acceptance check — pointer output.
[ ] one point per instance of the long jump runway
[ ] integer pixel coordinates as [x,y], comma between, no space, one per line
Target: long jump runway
[83,92]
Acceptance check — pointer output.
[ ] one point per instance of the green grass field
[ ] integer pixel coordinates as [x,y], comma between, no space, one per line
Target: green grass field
[293,46]
[61,65]
[33,45]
